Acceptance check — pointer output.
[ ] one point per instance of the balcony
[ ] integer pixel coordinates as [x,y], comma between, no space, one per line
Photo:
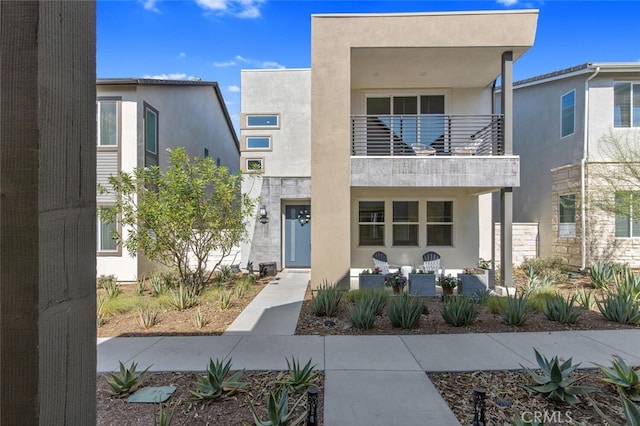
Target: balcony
[455,151]
[426,135]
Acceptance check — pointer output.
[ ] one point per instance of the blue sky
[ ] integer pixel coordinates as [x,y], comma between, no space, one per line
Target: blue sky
[215,39]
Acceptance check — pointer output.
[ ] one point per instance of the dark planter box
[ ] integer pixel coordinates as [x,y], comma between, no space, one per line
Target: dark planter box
[370,281]
[471,283]
[422,284]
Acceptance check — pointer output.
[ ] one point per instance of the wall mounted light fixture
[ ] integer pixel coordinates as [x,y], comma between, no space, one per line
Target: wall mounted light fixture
[263,215]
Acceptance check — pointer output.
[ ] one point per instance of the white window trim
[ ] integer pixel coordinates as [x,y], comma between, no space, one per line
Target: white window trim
[613,120]
[631,228]
[384,224]
[117,101]
[245,120]
[452,223]
[245,165]
[246,147]
[574,114]
[566,229]
[99,236]
[394,223]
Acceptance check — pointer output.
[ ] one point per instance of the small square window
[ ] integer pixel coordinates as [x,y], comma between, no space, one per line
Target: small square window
[254,165]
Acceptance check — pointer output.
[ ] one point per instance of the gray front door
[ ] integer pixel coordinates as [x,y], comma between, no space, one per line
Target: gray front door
[297,234]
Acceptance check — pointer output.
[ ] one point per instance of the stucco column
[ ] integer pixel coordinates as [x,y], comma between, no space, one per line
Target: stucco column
[506,194]
[47,213]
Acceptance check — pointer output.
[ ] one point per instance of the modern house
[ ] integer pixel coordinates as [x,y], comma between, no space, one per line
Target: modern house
[560,121]
[137,121]
[390,142]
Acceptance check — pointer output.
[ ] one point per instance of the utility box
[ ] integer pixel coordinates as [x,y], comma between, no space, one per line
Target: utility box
[268,269]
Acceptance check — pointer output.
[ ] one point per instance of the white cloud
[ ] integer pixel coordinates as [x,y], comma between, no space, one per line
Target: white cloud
[171,76]
[182,55]
[241,59]
[237,8]
[224,64]
[151,5]
[272,64]
[507,2]
[233,89]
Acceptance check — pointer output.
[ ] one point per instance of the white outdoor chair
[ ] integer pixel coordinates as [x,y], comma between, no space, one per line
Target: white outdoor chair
[380,261]
[470,149]
[431,261]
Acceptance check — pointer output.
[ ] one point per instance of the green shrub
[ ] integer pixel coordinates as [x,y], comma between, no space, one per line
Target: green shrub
[534,283]
[184,297]
[127,381]
[458,311]
[625,379]
[537,301]
[159,285]
[199,319]
[325,300]
[111,287]
[101,302]
[496,304]
[550,268]
[562,310]
[480,297]
[147,317]
[626,282]
[620,307]
[224,297]
[278,412]
[297,378]
[141,286]
[585,299]
[105,279]
[362,314]
[601,274]
[516,311]
[214,384]
[404,311]
[555,382]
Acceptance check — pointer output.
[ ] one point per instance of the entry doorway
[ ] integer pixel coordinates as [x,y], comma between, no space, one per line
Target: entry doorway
[297,236]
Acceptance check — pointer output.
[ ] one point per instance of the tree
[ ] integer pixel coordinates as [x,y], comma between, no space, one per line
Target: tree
[180,216]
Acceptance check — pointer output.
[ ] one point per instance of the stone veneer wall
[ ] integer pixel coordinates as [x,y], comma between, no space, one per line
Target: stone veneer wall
[525,241]
[266,243]
[566,180]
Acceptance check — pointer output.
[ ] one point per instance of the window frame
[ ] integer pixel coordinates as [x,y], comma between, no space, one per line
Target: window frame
[99,235]
[247,169]
[408,224]
[450,224]
[247,116]
[564,230]
[110,99]
[382,223]
[631,223]
[573,114]
[634,122]
[150,154]
[246,147]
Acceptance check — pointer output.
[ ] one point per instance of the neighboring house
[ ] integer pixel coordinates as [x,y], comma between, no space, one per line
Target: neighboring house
[138,120]
[389,142]
[559,119]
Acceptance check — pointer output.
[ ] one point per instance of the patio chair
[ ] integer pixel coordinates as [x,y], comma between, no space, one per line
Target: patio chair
[380,261]
[431,261]
[470,149]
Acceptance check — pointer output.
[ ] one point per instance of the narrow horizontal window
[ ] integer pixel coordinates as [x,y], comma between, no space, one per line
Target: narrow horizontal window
[262,120]
[258,142]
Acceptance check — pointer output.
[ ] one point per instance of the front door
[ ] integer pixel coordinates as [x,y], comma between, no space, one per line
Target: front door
[297,235]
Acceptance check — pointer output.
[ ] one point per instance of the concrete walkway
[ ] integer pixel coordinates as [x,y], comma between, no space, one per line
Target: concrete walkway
[369,380]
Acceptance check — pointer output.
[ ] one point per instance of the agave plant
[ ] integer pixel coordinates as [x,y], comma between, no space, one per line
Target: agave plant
[458,311]
[127,381]
[298,378]
[278,412]
[601,274]
[562,310]
[624,378]
[555,382]
[214,384]
[629,410]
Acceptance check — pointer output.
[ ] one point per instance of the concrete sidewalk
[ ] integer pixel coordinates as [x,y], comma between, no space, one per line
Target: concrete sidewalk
[374,380]
[369,380]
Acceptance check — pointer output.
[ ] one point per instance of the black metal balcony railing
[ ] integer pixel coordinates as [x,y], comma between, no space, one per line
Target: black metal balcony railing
[433,134]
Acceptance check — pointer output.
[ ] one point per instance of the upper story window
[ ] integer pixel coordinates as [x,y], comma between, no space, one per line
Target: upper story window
[371,223]
[150,135]
[206,152]
[253,165]
[568,104]
[263,120]
[107,122]
[258,142]
[626,104]
[627,214]
[567,216]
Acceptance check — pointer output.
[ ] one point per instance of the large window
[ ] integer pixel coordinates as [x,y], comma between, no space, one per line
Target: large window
[150,135]
[627,214]
[568,113]
[107,123]
[567,215]
[405,223]
[439,223]
[626,104]
[106,243]
[371,223]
